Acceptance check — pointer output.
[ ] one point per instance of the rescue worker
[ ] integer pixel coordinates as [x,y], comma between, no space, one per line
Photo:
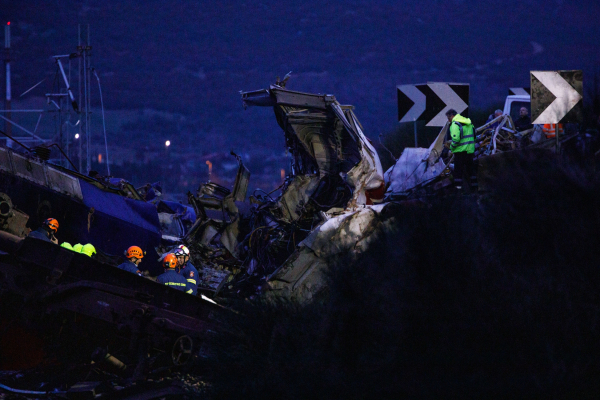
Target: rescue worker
[134,257]
[550,130]
[170,277]
[462,146]
[523,123]
[189,272]
[46,231]
[492,117]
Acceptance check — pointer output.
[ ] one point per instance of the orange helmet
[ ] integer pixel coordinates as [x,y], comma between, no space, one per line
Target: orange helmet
[134,251]
[52,224]
[170,261]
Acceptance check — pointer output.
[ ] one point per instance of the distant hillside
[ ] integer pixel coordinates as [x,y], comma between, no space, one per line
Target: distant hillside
[192,58]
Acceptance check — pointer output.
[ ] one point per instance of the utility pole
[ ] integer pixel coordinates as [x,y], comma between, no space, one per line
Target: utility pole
[85,59]
[7,106]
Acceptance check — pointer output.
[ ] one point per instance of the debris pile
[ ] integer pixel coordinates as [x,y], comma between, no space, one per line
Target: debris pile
[334,170]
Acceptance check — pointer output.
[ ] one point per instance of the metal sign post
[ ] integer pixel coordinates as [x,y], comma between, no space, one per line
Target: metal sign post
[415,122]
[7,102]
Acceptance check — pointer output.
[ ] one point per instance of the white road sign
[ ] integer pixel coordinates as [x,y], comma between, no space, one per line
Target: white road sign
[556,96]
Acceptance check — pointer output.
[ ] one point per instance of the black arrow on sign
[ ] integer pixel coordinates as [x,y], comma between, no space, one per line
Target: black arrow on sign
[404,104]
[433,104]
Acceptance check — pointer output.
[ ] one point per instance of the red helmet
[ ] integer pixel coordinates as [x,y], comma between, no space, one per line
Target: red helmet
[134,251]
[170,261]
[52,224]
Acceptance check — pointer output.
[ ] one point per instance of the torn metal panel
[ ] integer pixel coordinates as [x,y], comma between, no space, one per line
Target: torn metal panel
[302,276]
[231,236]
[260,98]
[412,169]
[325,138]
[341,234]
[242,179]
[296,196]
[416,167]
[300,99]
[368,174]
[170,225]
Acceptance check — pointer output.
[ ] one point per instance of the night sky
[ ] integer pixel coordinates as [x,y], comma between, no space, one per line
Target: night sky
[183,63]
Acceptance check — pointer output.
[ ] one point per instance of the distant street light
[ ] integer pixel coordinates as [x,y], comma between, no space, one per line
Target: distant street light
[209,168]
[168,143]
[77,136]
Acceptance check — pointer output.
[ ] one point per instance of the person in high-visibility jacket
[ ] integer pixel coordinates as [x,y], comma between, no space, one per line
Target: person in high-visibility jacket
[550,130]
[170,277]
[189,272]
[462,145]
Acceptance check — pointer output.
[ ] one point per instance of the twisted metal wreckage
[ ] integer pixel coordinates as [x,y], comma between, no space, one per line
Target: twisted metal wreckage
[129,325]
[329,206]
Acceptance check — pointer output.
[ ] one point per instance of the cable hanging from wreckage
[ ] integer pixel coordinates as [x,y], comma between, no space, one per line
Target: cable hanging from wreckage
[332,167]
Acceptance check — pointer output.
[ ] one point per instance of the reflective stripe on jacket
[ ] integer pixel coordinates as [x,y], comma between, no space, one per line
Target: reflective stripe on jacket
[550,130]
[172,279]
[190,273]
[461,133]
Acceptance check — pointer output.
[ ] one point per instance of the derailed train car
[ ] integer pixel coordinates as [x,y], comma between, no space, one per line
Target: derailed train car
[78,308]
[58,303]
[88,210]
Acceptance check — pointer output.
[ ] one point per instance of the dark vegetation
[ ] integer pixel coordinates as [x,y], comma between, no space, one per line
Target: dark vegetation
[464,297]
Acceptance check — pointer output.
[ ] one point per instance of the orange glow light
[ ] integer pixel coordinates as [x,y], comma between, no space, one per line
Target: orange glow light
[209,166]
[100,158]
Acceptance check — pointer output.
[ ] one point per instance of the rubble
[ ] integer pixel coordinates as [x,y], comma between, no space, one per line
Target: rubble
[425,171]
[417,168]
[334,170]
[126,329]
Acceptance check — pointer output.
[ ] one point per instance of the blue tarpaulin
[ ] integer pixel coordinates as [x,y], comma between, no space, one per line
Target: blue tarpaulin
[119,222]
[186,214]
[136,212]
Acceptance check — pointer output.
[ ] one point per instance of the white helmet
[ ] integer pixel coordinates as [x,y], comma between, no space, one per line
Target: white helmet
[185,249]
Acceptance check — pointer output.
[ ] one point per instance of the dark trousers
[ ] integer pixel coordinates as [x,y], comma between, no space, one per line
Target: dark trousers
[463,163]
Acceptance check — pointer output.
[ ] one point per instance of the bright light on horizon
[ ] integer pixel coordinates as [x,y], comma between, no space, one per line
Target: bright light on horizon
[168,143]
[77,136]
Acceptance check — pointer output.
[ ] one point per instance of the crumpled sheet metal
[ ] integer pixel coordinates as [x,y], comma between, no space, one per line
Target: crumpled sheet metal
[302,275]
[299,191]
[411,170]
[343,233]
[368,173]
[416,166]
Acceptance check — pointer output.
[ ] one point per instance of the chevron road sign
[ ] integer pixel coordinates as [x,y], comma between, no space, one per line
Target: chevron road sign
[556,96]
[430,101]
[521,91]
